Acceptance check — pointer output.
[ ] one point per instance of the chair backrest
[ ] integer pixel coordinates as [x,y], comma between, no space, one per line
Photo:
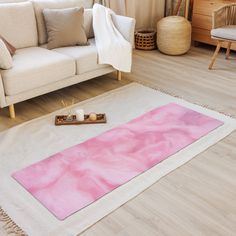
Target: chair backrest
[225,15]
[230,11]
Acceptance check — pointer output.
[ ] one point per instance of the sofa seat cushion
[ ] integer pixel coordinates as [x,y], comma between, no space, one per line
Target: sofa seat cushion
[35,67]
[86,57]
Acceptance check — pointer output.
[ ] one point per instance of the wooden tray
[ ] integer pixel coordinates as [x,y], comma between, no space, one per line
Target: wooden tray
[61,120]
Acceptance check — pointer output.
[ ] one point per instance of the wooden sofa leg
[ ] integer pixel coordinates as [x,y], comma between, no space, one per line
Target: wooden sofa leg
[12,111]
[228,50]
[215,55]
[119,75]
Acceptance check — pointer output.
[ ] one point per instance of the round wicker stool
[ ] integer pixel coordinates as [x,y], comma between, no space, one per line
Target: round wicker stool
[174,35]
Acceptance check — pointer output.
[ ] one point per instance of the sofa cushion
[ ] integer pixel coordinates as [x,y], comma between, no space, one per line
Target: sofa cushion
[88,23]
[35,67]
[40,5]
[86,57]
[18,24]
[65,27]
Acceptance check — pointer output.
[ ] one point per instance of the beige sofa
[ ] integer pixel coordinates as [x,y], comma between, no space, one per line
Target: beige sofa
[37,70]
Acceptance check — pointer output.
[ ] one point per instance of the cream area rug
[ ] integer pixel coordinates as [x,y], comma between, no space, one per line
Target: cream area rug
[38,139]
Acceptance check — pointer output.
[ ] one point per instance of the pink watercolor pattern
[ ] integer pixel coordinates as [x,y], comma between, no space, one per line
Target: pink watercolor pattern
[76,177]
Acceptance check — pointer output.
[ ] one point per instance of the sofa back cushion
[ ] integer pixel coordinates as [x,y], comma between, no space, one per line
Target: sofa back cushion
[18,24]
[88,23]
[12,1]
[40,5]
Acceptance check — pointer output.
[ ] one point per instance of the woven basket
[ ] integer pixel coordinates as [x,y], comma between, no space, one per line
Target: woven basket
[145,39]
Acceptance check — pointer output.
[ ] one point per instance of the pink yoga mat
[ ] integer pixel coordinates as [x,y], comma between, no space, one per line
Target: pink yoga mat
[76,177]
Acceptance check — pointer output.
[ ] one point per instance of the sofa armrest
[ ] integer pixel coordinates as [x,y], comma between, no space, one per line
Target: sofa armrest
[2,94]
[126,26]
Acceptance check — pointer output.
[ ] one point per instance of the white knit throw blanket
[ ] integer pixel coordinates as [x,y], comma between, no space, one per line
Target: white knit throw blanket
[113,48]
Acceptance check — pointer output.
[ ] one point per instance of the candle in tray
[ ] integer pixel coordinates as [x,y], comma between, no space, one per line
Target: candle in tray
[79,114]
[93,116]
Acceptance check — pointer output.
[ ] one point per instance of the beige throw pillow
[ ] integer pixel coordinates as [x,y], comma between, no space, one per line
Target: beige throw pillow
[40,5]
[10,47]
[5,57]
[65,27]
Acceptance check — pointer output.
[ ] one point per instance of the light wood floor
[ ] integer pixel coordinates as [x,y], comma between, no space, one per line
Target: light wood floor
[198,198]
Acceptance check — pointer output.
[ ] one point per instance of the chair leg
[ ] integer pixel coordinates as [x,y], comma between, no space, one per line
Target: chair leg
[12,111]
[228,50]
[215,55]
[119,75]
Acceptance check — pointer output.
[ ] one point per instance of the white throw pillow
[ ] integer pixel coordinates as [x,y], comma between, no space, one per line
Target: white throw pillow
[5,57]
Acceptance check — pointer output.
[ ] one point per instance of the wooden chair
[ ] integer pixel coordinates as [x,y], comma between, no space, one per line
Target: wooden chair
[223,29]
